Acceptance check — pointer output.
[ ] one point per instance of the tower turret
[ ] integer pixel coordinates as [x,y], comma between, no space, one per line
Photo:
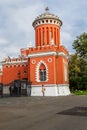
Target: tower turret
[47,29]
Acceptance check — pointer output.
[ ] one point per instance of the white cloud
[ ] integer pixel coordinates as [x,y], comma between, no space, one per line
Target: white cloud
[10,2]
[13,51]
[23,17]
[5,1]
[3,41]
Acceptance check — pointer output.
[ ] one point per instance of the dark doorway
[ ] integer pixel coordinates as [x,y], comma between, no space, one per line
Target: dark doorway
[1,90]
[24,87]
[18,88]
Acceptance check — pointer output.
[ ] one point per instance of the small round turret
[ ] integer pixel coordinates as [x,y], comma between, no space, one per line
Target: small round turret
[47,18]
[47,28]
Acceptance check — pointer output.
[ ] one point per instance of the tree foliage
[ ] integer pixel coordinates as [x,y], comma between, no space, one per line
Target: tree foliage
[80,45]
[78,64]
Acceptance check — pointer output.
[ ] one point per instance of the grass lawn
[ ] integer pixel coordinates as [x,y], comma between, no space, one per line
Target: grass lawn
[80,92]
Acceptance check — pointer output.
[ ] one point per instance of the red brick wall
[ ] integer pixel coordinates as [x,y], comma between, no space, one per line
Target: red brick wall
[10,73]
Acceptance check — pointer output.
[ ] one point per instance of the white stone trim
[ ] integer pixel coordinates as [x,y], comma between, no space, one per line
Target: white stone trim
[62,54]
[50,90]
[54,21]
[65,71]
[63,89]
[51,53]
[42,54]
[6,90]
[37,71]
[15,62]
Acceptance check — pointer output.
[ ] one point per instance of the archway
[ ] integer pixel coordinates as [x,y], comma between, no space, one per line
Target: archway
[42,72]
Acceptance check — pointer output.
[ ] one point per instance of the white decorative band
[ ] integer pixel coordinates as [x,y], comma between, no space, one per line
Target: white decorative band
[42,54]
[62,54]
[14,62]
[47,20]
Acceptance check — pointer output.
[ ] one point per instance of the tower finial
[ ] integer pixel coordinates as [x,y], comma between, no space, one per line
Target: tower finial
[46,9]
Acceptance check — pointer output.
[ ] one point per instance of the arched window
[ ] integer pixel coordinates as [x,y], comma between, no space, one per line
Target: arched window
[42,72]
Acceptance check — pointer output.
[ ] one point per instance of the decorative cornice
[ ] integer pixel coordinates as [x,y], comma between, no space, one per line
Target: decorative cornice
[62,54]
[47,20]
[42,54]
[14,62]
[51,53]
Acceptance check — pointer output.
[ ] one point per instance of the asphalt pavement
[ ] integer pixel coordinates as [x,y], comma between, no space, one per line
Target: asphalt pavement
[43,113]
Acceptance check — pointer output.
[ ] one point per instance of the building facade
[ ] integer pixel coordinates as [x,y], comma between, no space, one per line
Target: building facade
[45,66]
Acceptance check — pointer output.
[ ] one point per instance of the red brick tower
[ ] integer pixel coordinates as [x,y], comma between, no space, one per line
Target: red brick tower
[48,61]
[47,29]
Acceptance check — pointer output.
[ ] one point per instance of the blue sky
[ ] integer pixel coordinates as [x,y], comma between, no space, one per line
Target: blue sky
[16,17]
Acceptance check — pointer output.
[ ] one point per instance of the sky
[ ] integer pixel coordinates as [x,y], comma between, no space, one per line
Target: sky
[16,17]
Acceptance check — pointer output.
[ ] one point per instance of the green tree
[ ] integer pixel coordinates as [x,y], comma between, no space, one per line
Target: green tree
[74,71]
[78,64]
[80,45]
[74,64]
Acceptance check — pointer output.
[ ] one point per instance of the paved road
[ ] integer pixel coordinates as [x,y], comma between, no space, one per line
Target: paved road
[43,113]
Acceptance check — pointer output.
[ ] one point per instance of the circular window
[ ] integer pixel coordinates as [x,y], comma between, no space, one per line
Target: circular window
[49,59]
[33,61]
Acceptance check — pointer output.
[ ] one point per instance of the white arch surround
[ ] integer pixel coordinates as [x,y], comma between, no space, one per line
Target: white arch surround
[37,71]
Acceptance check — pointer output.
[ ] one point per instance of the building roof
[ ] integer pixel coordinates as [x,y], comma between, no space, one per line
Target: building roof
[47,15]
